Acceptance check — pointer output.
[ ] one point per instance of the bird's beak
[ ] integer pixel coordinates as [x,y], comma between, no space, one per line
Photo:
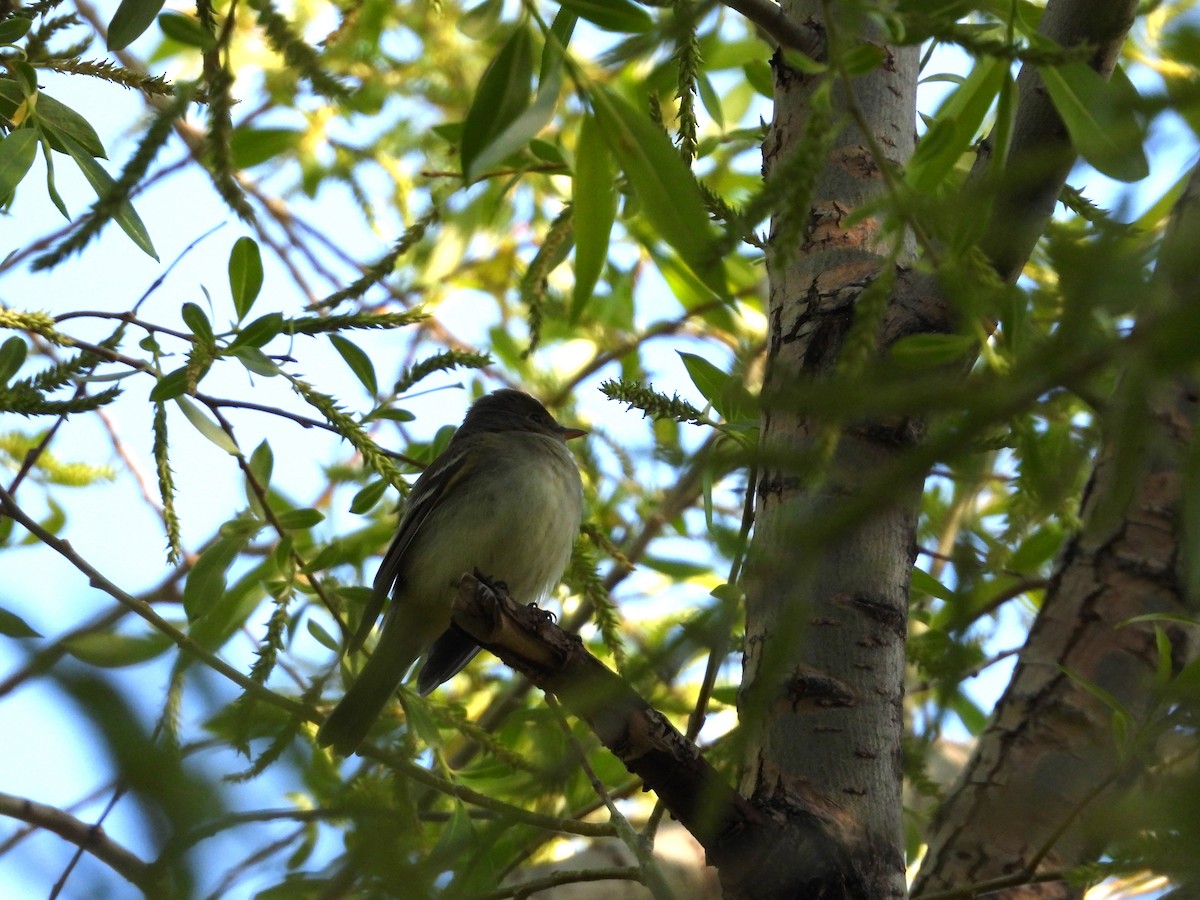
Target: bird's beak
[567,433]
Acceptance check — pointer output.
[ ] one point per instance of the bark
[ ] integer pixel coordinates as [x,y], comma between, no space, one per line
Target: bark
[822,692]
[1050,757]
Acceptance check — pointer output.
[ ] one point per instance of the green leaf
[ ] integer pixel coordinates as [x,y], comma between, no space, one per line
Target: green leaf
[760,77]
[1100,119]
[520,131]
[503,95]
[925,583]
[957,121]
[1037,549]
[931,350]
[109,650]
[803,63]
[677,569]
[102,183]
[195,319]
[480,21]
[186,29]
[170,386]
[323,637]
[973,718]
[364,501]
[1104,696]
[17,152]
[300,519]
[666,189]
[594,203]
[707,378]
[51,190]
[228,608]
[130,20]
[259,332]
[63,126]
[392,415]
[206,581]
[244,527]
[557,42]
[863,58]
[612,15]
[254,146]
[207,426]
[52,522]
[256,361]
[25,75]
[358,361]
[12,357]
[12,30]
[262,463]
[13,626]
[245,275]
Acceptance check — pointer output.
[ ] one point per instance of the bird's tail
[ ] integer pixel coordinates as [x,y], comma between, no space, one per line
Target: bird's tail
[345,727]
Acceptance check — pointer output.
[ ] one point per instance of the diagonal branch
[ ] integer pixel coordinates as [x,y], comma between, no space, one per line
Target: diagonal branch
[757,853]
[150,880]
[1041,153]
[770,17]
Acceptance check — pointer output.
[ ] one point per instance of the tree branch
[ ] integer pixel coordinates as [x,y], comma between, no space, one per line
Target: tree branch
[1041,153]
[771,18]
[755,851]
[91,838]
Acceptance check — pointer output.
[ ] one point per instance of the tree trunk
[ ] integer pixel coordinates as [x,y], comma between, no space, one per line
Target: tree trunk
[1053,752]
[822,691]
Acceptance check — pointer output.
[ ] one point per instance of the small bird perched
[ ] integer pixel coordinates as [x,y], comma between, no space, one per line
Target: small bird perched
[504,498]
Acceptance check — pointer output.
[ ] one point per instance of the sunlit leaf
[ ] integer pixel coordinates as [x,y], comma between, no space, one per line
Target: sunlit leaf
[300,519]
[669,197]
[1100,119]
[594,202]
[954,128]
[207,426]
[103,183]
[245,275]
[254,146]
[358,361]
[259,332]
[17,153]
[502,96]
[612,15]
[67,131]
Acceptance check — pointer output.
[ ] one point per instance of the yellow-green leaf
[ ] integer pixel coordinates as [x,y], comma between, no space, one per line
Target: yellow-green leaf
[1100,119]
[666,189]
[594,201]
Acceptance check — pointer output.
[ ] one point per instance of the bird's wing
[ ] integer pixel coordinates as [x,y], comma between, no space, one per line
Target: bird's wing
[427,494]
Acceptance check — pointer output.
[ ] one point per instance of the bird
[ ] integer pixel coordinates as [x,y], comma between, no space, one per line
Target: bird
[504,499]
